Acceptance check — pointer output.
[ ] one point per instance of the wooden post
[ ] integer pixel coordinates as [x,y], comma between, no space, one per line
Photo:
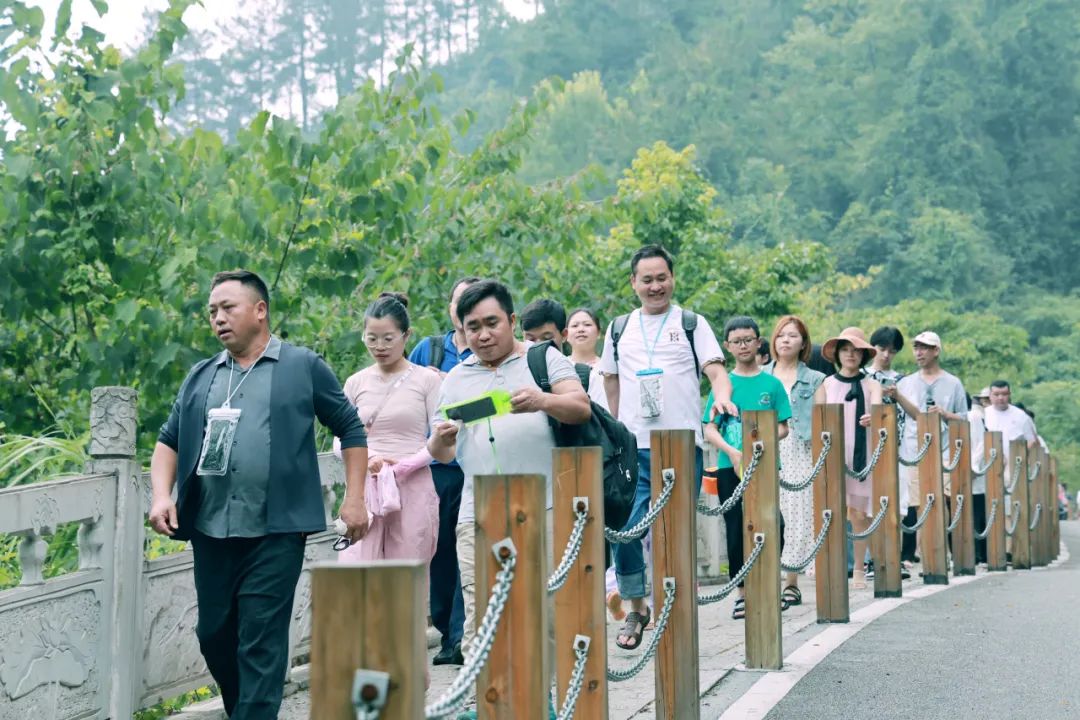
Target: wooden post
[995,490]
[761,515]
[1021,538]
[1036,497]
[1048,498]
[1055,537]
[934,559]
[579,604]
[885,542]
[368,616]
[830,576]
[963,536]
[515,680]
[674,555]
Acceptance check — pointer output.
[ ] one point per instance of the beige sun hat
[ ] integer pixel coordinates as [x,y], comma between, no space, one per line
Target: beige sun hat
[853,335]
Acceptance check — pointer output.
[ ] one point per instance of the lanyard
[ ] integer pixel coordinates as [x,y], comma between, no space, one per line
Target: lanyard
[386,397]
[650,351]
[232,364]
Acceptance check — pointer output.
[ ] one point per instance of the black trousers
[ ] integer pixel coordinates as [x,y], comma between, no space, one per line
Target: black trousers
[726,482]
[978,508]
[245,589]
[447,604]
[907,542]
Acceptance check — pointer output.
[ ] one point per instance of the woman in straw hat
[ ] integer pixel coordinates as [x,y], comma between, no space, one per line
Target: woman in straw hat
[850,352]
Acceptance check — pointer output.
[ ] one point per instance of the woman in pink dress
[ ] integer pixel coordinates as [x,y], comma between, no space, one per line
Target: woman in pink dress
[850,352]
[395,399]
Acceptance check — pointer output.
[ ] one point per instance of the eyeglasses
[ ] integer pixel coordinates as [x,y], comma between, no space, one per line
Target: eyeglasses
[744,342]
[382,342]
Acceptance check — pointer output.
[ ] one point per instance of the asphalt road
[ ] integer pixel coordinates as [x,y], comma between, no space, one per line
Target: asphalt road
[1006,646]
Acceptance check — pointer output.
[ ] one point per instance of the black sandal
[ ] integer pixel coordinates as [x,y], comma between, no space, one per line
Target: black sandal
[739,611]
[634,628]
[791,595]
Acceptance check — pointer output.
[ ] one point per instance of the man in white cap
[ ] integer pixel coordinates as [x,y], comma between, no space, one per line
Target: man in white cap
[930,390]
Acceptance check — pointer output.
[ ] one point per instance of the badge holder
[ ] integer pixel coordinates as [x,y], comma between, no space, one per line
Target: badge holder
[651,393]
[217,441]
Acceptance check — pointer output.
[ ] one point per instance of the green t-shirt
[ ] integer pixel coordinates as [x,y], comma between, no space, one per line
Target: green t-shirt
[754,392]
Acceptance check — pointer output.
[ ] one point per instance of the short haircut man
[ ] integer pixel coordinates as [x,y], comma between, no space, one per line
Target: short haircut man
[544,320]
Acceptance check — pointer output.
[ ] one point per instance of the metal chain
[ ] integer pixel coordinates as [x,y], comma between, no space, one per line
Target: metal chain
[862,474]
[367,713]
[826,445]
[922,518]
[1035,516]
[455,695]
[989,464]
[654,641]
[826,521]
[1010,529]
[989,522]
[1015,475]
[884,503]
[570,555]
[927,438]
[956,518]
[723,592]
[620,537]
[951,465]
[1035,471]
[577,678]
[736,496]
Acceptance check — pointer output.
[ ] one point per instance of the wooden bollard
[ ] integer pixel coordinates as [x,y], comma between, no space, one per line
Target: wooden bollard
[885,542]
[515,680]
[995,490]
[1021,538]
[830,566]
[579,604]
[368,617]
[1048,498]
[1055,538]
[963,535]
[761,515]
[935,561]
[674,555]
[1036,498]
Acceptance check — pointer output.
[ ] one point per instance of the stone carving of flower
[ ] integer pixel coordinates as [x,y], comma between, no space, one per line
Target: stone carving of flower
[44,654]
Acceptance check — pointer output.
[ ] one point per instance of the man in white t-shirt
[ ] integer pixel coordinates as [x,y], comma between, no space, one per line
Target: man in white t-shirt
[1010,420]
[652,375]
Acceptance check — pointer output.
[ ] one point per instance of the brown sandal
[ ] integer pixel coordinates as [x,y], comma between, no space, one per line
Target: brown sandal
[634,628]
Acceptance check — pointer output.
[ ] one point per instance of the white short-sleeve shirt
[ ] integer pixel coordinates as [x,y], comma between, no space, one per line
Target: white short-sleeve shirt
[1013,423]
[680,382]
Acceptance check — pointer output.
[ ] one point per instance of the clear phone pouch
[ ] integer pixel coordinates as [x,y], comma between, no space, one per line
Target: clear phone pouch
[217,441]
[651,393]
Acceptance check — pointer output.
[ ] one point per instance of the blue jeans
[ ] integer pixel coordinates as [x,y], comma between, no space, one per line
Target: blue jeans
[629,557]
[447,603]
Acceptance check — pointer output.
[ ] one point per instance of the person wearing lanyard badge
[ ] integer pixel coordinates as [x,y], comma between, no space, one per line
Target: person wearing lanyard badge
[652,380]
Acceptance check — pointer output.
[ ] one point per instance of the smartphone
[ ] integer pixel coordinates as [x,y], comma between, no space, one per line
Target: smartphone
[472,411]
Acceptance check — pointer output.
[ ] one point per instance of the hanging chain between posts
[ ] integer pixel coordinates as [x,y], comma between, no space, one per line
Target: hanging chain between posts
[826,445]
[865,472]
[1035,471]
[1010,529]
[620,537]
[826,521]
[922,518]
[573,547]
[989,521]
[927,439]
[724,591]
[951,465]
[577,677]
[956,517]
[1035,516]
[736,496]
[1015,476]
[654,641]
[875,523]
[455,695]
[989,464]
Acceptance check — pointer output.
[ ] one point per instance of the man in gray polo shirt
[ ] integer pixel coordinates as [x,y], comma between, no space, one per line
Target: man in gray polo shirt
[239,447]
[520,442]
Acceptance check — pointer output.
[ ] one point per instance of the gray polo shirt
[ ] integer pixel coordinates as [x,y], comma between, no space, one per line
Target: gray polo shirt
[947,392]
[234,504]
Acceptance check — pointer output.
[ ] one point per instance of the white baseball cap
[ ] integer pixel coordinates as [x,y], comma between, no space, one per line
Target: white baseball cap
[928,338]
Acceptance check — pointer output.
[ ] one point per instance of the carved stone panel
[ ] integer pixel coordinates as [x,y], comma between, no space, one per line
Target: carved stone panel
[171,653]
[48,658]
[113,421]
[319,549]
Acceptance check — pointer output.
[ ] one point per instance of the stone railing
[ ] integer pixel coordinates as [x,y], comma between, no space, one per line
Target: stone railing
[117,634]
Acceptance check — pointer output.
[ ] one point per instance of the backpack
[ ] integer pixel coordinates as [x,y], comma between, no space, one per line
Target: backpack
[438,351]
[689,324]
[617,443]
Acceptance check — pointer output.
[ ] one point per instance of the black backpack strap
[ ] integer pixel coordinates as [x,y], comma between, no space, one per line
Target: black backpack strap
[537,358]
[618,325]
[438,351]
[584,373]
[689,325]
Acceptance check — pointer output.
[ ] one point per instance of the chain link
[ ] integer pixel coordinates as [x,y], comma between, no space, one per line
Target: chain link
[455,695]
[951,465]
[620,537]
[654,641]
[956,517]
[1010,529]
[367,713]
[1035,471]
[989,464]
[826,445]
[989,522]
[922,518]
[883,502]
[577,678]
[1015,475]
[1035,516]
[723,592]
[865,472]
[927,438]
[826,521]
[570,555]
[736,496]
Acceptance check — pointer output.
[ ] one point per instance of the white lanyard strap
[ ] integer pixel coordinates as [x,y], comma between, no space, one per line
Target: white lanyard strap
[232,364]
